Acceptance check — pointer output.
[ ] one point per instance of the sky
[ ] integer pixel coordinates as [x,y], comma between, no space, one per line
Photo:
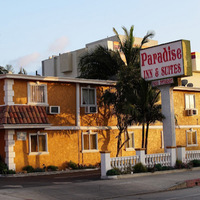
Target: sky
[33,30]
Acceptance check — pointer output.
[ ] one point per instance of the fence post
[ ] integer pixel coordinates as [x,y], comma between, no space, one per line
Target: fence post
[105,163]
[181,153]
[141,154]
[172,151]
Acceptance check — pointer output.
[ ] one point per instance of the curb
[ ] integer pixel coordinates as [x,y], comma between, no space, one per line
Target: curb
[47,173]
[149,174]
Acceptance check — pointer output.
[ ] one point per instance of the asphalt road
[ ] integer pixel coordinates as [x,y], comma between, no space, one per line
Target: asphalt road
[48,180]
[88,186]
[183,194]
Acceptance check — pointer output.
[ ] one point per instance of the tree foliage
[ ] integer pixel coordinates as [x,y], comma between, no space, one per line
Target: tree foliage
[3,70]
[10,69]
[134,100]
[100,63]
[22,71]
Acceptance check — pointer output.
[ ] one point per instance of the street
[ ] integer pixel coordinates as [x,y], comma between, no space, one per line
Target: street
[88,186]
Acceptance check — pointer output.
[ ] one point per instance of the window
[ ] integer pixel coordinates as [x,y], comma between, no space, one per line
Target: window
[189,101]
[191,137]
[88,96]
[89,141]
[130,144]
[38,143]
[37,93]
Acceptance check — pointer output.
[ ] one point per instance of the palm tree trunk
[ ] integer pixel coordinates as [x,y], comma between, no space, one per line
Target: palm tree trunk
[146,139]
[119,143]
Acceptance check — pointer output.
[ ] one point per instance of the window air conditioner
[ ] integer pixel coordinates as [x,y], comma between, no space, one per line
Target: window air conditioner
[54,109]
[90,109]
[192,112]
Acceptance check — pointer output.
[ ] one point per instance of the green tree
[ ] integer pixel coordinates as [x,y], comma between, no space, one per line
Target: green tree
[3,70]
[100,63]
[22,71]
[147,109]
[10,68]
[132,95]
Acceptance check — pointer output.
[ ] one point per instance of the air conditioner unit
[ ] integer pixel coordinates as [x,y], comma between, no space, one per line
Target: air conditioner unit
[54,109]
[191,112]
[90,109]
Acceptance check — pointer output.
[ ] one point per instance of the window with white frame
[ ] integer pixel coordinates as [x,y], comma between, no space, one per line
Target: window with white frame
[37,93]
[89,141]
[130,143]
[189,101]
[88,96]
[38,143]
[191,137]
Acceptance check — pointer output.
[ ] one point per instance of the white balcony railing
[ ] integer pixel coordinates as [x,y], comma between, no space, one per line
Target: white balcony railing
[124,162]
[162,158]
[192,155]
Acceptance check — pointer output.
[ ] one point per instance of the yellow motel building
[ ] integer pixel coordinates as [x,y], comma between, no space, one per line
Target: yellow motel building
[52,120]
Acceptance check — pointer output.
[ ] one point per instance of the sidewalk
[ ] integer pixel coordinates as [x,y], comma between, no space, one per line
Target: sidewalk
[162,180]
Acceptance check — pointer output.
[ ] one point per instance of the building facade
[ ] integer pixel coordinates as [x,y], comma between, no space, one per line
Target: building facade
[51,120]
[66,64]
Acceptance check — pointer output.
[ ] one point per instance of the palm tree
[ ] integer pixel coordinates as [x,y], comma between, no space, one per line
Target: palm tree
[10,69]
[147,109]
[100,63]
[22,71]
[132,95]
[124,98]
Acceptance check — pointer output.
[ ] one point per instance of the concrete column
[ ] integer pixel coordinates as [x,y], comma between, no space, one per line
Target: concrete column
[105,163]
[9,149]
[172,151]
[181,153]
[8,92]
[141,154]
[168,112]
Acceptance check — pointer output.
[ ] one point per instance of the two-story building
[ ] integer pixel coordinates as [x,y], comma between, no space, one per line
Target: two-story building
[52,120]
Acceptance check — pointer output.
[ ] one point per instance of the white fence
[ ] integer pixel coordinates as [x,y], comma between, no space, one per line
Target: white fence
[124,162]
[149,160]
[192,155]
[162,158]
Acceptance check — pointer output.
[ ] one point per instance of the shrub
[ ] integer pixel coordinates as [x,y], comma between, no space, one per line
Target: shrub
[195,163]
[127,170]
[3,168]
[10,171]
[139,167]
[166,168]
[158,167]
[52,168]
[72,165]
[179,164]
[28,168]
[112,172]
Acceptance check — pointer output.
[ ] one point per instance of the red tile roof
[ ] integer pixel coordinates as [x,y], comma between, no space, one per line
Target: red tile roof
[23,114]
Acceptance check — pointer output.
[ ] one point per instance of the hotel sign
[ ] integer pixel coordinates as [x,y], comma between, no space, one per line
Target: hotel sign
[166,61]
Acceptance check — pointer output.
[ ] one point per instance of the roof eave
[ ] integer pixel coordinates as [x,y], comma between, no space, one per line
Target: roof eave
[24,126]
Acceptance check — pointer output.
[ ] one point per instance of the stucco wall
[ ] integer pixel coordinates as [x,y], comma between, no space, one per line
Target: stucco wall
[64,146]
[20,92]
[63,95]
